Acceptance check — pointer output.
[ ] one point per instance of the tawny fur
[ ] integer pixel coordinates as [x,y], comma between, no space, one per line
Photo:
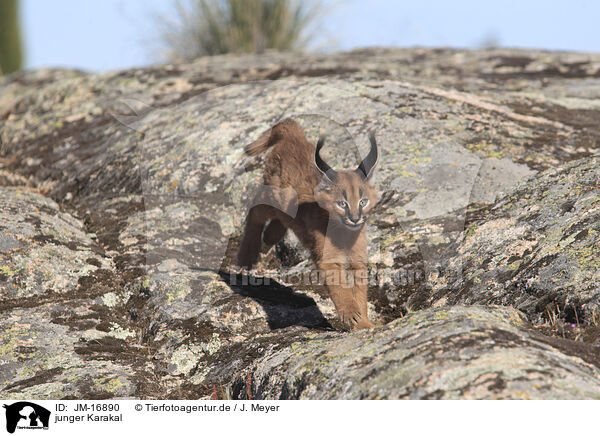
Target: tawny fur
[298,196]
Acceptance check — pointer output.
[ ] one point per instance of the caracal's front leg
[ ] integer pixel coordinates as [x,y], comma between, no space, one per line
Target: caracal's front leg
[349,299]
[360,292]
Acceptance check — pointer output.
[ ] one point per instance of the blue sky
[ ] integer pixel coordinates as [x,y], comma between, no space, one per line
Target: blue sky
[111,34]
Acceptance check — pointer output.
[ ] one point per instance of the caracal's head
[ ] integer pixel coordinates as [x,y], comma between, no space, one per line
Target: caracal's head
[347,195]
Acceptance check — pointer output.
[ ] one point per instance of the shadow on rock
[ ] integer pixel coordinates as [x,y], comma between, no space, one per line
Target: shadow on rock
[283,306]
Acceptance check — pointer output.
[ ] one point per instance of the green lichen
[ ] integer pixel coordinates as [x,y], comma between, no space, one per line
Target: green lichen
[11,338]
[110,384]
[471,230]
[588,258]
[487,149]
[7,270]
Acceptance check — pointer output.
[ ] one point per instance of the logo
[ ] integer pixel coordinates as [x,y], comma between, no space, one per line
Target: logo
[26,415]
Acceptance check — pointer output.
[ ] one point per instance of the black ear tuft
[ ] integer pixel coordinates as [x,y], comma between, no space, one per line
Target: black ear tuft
[329,172]
[366,167]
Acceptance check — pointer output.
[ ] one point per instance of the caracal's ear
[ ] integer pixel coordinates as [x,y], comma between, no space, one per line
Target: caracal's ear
[366,167]
[321,165]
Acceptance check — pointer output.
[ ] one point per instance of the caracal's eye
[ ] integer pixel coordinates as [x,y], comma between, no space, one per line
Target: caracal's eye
[341,204]
[364,202]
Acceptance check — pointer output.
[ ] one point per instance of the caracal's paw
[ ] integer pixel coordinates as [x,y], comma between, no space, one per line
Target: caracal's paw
[247,258]
[354,319]
[363,323]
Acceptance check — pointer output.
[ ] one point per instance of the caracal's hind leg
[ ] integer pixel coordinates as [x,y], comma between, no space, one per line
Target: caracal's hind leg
[269,203]
[251,242]
[274,232]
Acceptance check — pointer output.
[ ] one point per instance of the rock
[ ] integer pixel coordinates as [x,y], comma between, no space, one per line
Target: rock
[450,353]
[536,249]
[43,250]
[124,195]
[57,334]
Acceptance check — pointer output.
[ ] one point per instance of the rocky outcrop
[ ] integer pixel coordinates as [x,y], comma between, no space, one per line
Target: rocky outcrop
[57,293]
[537,249]
[450,353]
[123,196]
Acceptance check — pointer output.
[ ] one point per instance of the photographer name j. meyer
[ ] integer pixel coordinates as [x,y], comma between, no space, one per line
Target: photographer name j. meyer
[188,408]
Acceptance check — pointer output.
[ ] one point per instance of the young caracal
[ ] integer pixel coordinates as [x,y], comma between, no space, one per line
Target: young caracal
[326,209]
